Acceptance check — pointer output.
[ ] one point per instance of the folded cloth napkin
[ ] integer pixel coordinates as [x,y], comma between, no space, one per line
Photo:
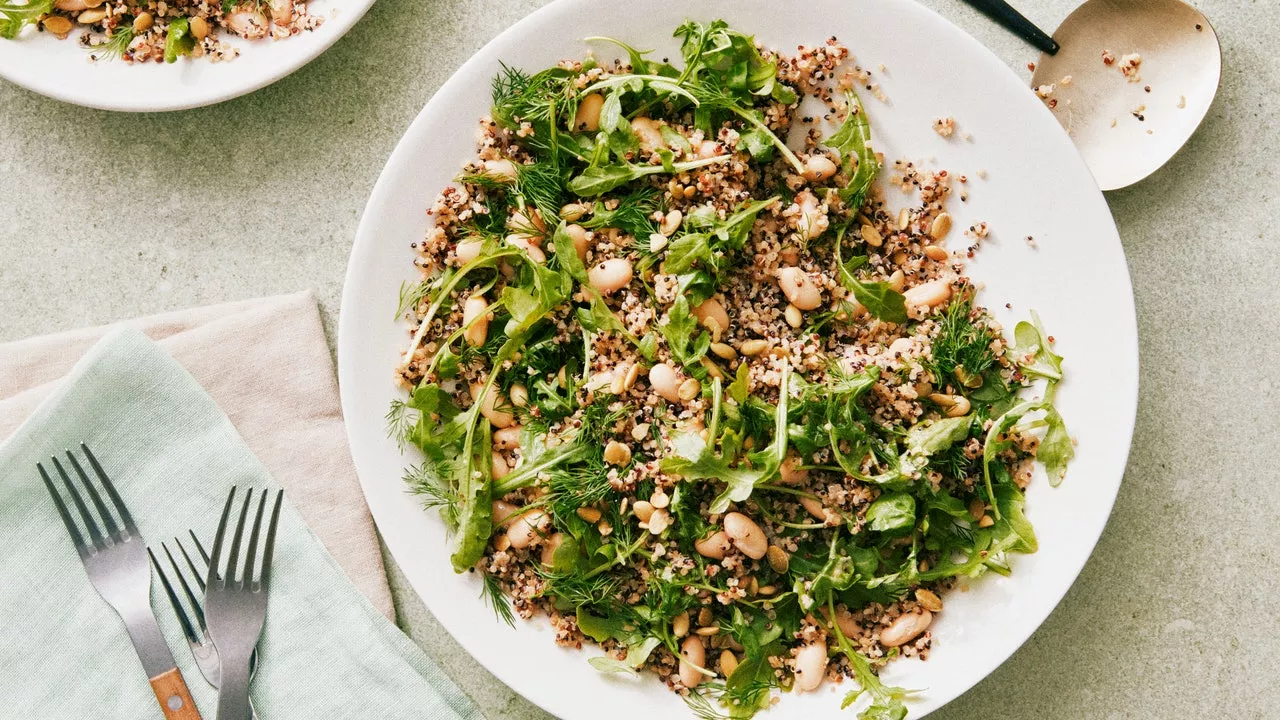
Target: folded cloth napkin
[267,365]
[173,455]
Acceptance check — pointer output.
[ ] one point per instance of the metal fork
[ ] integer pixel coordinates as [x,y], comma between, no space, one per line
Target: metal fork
[236,604]
[193,623]
[116,563]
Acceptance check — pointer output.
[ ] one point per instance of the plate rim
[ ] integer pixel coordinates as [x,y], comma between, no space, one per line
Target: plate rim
[1129,402]
[330,32]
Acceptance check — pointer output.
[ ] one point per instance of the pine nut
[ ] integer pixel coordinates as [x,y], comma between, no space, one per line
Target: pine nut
[643,510]
[728,663]
[904,219]
[871,236]
[705,617]
[143,23]
[793,316]
[707,631]
[724,351]
[615,453]
[680,625]
[657,241]
[590,514]
[573,212]
[751,348]
[57,25]
[779,560]
[941,226]
[89,17]
[928,600]
[711,311]
[986,521]
[690,389]
[519,395]
[199,28]
[897,280]
[935,253]
[929,294]
[670,222]
[501,169]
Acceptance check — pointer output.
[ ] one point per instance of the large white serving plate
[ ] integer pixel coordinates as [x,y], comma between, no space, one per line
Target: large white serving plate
[61,69]
[1036,184]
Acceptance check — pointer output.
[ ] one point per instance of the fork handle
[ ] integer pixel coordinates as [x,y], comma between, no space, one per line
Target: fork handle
[174,697]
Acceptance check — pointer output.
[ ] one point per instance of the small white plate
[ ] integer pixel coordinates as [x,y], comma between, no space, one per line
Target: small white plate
[61,69]
[1036,184]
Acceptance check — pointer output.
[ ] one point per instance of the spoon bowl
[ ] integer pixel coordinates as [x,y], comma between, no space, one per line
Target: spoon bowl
[1127,116]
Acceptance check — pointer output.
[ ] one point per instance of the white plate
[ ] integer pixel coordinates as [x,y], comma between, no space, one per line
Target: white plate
[61,69]
[1036,184]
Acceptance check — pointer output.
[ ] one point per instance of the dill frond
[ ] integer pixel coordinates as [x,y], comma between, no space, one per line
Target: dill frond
[400,420]
[491,593]
[411,296]
[115,44]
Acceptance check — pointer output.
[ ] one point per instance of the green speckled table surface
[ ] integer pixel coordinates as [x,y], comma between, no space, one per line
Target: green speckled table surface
[1175,616]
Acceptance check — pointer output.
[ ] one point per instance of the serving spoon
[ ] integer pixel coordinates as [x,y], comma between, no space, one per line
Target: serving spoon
[1131,83]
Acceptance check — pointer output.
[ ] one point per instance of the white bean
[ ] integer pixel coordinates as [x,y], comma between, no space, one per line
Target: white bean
[578,235]
[527,528]
[906,628]
[712,310]
[647,132]
[665,381]
[501,169]
[588,115]
[526,244]
[490,406]
[502,511]
[934,292]
[549,548]
[500,466]
[811,665]
[610,276]
[746,535]
[467,250]
[713,546]
[281,11]
[692,653]
[507,438]
[818,168]
[799,288]
[789,473]
[476,320]
[813,219]
[248,24]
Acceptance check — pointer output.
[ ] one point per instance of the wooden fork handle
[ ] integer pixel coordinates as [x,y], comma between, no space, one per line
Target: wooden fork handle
[174,697]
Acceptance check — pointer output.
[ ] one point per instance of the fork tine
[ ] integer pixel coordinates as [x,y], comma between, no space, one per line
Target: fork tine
[269,545]
[215,578]
[199,546]
[178,610]
[113,530]
[233,558]
[89,522]
[111,490]
[196,607]
[74,531]
[252,554]
[196,572]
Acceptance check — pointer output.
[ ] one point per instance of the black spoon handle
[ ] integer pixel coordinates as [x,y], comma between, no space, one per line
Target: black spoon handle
[1012,20]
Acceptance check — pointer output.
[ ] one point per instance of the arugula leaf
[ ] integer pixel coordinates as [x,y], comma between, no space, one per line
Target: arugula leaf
[877,297]
[681,331]
[853,141]
[178,40]
[925,439]
[1032,351]
[600,179]
[1013,526]
[892,513]
[14,16]
[993,446]
[475,506]
[1056,449]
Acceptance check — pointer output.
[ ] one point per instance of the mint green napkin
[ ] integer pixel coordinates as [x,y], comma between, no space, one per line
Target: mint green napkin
[326,652]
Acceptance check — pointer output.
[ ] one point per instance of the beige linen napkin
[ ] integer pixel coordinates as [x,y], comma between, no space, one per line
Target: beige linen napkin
[267,365]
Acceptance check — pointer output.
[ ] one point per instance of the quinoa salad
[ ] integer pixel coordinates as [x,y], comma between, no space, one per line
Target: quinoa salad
[719,406]
[140,31]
